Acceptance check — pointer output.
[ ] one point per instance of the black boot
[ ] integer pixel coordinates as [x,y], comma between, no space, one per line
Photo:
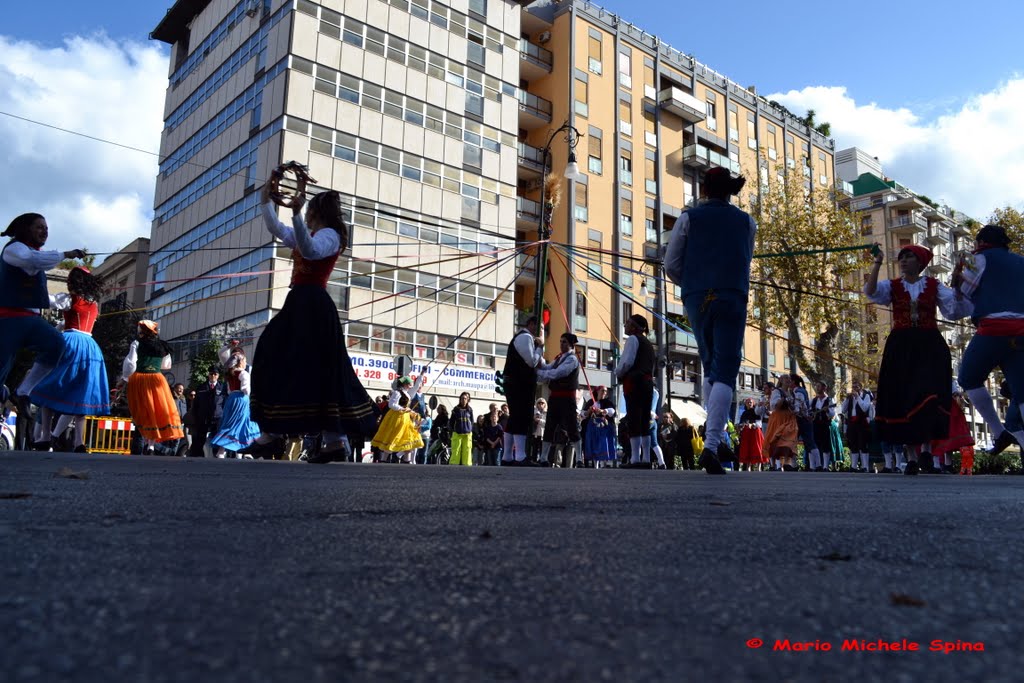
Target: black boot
[709,463]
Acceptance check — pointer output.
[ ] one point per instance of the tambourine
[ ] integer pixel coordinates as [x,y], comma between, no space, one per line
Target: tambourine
[302,178]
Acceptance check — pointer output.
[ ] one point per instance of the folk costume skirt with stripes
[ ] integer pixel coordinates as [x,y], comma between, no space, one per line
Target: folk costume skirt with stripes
[152,406]
[914,387]
[302,379]
[78,384]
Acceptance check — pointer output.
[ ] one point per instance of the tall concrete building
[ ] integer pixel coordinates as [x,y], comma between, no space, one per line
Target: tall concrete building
[407,108]
[653,119]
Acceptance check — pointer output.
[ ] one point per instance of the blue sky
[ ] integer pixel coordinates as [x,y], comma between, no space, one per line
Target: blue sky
[934,89]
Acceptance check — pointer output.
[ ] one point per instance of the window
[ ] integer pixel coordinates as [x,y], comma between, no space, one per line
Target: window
[650,227]
[650,176]
[594,262]
[627,311]
[626,167]
[626,216]
[734,126]
[579,318]
[626,68]
[581,201]
[581,98]
[594,154]
[711,121]
[867,225]
[650,129]
[751,132]
[625,117]
[478,7]
[594,50]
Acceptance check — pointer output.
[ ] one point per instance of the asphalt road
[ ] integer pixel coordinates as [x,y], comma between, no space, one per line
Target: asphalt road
[161,569]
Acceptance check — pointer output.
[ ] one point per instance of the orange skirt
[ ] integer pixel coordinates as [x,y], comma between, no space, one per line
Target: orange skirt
[154,413]
[782,433]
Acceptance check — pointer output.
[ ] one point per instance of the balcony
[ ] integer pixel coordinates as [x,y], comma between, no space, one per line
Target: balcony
[526,268]
[843,188]
[527,214]
[940,263]
[534,61]
[905,201]
[677,341]
[531,161]
[961,230]
[683,105]
[909,224]
[699,156]
[937,234]
[534,111]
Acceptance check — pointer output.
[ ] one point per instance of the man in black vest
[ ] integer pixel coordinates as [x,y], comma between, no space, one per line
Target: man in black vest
[561,428]
[23,293]
[525,352]
[636,372]
[207,409]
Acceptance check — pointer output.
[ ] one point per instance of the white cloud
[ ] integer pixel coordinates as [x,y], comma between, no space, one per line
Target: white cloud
[971,158]
[93,194]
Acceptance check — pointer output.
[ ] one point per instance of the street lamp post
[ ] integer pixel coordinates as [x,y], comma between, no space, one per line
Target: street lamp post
[572,172]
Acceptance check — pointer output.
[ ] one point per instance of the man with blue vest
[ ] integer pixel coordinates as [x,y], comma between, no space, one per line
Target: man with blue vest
[23,293]
[709,256]
[994,286]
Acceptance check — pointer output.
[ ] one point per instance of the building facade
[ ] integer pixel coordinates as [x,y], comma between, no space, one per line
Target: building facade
[653,119]
[409,110]
[125,274]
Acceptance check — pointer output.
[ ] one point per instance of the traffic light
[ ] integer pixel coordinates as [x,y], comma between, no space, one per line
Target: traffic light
[499,382]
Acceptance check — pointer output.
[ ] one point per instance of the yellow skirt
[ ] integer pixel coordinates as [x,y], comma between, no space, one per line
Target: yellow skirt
[154,413]
[397,432]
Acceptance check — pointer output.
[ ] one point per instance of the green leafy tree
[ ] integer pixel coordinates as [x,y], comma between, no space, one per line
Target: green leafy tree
[202,361]
[1011,219]
[803,293]
[114,332]
[89,262]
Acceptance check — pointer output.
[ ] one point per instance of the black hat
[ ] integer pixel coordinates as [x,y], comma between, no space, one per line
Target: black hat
[993,234]
[571,338]
[639,321]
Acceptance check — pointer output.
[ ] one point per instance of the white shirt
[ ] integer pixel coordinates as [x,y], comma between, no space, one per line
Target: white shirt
[823,402]
[864,403]
[326,242]
[676,249]
[629,350]
[562,366]
[530,352]
[32,261]
[131,361]
[949,305]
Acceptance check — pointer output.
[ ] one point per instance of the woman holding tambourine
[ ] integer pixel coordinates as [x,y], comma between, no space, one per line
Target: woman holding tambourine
[302,378]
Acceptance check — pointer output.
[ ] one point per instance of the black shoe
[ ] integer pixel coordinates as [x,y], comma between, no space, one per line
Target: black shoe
[788,468]
[526,463]
[509,463]
[886,470]
[81,449]
[926,463]
[709,463]
[661,467]
[1003,441]
[912,468]
[41,445]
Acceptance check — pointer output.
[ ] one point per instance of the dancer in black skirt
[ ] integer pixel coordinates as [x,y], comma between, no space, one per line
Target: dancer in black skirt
[636,372]
[302,378]
[915,378]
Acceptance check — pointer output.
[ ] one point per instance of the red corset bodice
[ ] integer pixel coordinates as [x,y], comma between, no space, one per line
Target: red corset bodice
[81,315]
[920,313]
[234,381]
[307,272]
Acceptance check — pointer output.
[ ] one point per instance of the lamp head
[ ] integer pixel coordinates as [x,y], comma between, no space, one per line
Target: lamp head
[572,169]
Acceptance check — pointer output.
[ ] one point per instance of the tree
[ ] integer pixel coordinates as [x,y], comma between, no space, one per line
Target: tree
[1011,219]
[804,294]
[114,331]
[203,360]
[89,262]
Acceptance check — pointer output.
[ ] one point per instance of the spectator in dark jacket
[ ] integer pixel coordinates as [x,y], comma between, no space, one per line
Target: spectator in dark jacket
[207,409]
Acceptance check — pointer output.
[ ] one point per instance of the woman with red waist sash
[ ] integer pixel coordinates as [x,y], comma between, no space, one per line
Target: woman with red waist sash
[302,378]
[916,374]
[78,385]
[636,372]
